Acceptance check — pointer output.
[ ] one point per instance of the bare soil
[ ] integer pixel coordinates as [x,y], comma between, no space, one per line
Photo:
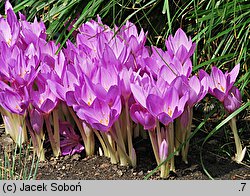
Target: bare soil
[99,168]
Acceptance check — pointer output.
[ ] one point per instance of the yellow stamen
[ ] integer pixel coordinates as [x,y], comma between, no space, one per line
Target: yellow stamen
[90,101]
[9,41]
[170,112]
[104,121]
[41,101]
[221,87]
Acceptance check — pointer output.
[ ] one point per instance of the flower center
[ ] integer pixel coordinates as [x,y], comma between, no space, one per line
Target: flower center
[221,87]
[170,112]
[41,100]
[9,41]
[104,121]
[17,107]
[90,101]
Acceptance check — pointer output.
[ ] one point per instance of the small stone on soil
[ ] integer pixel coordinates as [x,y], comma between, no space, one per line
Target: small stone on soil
[115,168]
[66,157]
[97,174]
[120,173]
[75,157]
[104,165]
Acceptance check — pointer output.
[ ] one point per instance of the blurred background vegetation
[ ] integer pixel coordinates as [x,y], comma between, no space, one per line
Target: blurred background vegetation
[220,28]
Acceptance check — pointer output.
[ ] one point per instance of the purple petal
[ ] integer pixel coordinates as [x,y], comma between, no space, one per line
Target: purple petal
[70,98]
[165,118]
[171,98]
[138,94]
[36,120]
[234,73]
[219,79]
[167,74]
[182,53]
[57,89]
[153,102]
[219,95]
[163,151]
[233,100]
[12,102]
[142,116]
[184,118]
[47,106]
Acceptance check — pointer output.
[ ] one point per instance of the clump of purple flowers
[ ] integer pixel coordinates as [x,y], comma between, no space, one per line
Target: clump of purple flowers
[104,85]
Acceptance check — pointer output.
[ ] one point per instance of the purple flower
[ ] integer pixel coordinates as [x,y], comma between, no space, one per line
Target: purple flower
[82,95]
[204,79]
[129,33]
[93,36]
[115,53]
[135,44]
[31,32]
[175,69]
[70,142]
[103,85]
[9,27]
[141,87]
[197,90]
[142,116]
[161,64]
[98,100]
[36,120]
[156,61]
[67,82]
[180,45]
[19,66]
[23,68]
[100,115]
[163,151]
[233,100]
[41,96]
[126,77]
[15,102]
[172,105]
[220,83]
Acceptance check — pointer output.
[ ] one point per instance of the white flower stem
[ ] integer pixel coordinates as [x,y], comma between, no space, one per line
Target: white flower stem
[170,131]
[56,129]
[109,143]
[129,135]
[55,150]
[187,134]
[164,170]
[90,140]
[104,147]
[37,141]
[178,134]
[87,136]
[239,156]
[120,145]
[154,144]
[12,123]
[158,133]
